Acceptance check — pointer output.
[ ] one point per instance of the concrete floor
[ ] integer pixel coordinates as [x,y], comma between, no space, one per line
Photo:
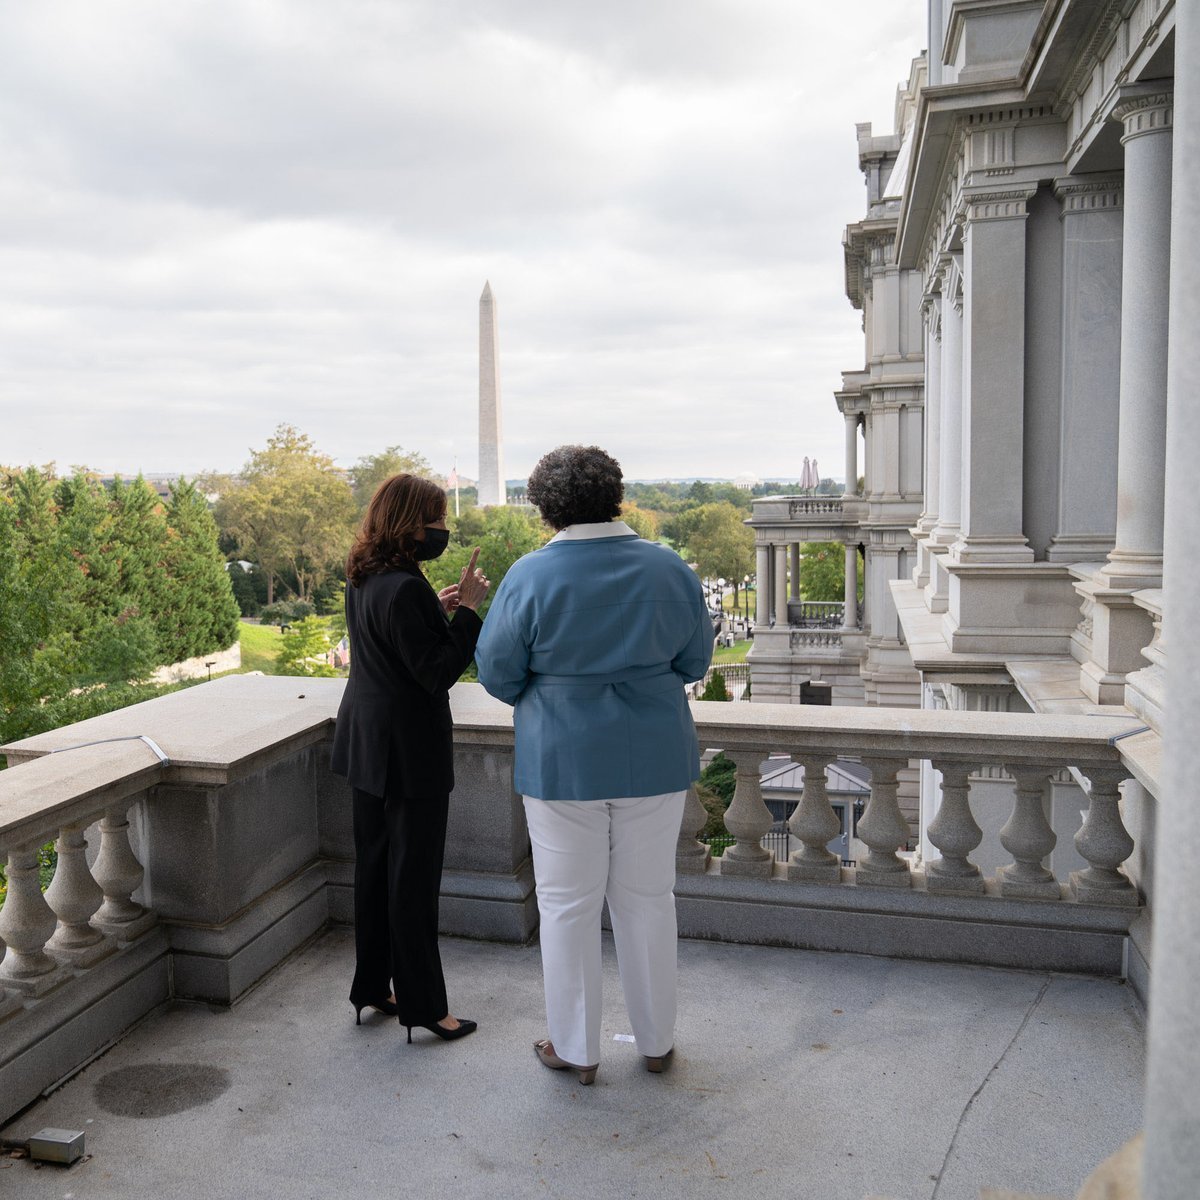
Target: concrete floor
[798,1075]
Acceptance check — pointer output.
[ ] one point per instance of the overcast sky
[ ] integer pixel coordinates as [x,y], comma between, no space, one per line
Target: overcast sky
[216,217]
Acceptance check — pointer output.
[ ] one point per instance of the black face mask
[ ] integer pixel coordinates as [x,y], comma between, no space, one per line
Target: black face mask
[436,541]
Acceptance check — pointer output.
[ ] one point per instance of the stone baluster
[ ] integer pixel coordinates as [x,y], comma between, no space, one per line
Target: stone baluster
[75,896]
[955,833]
[883,828]
[9,1001]
[119,874]
[816,824]
[27,923]
[748,819]
[691,856]
[1105,843]
[1029,839]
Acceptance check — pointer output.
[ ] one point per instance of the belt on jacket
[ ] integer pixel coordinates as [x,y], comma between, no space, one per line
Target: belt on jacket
[628,675]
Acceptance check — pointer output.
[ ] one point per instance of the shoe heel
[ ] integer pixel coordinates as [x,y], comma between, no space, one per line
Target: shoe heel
[358,1016]
[587,1075]
[409,1028]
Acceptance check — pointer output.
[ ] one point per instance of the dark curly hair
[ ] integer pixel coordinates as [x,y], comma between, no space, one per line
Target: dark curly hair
[401,505]
[577,485]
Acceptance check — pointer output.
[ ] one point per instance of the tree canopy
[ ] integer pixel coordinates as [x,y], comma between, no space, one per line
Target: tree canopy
[291,511]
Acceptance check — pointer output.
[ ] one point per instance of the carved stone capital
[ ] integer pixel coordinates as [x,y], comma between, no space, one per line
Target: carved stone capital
[1144,109]
[1084,194]
[1000,204]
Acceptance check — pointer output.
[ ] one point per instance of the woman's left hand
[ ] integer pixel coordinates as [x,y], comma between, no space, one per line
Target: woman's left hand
[449,598]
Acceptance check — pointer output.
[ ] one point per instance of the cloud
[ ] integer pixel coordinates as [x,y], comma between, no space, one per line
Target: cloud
[218,217]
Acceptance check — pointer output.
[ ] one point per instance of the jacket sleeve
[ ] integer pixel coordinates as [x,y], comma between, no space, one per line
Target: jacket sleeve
[434,650]
[502,656]
[693,659]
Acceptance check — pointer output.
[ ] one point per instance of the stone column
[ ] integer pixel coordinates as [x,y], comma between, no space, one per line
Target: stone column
[850,615]
[993,388]
[780,581]
[1091,361]
[1120,629]
[851,453]
[1171,1164]
[1146,115]
[762,585]
[794,585]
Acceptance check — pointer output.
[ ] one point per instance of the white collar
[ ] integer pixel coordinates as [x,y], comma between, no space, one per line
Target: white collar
[595,529]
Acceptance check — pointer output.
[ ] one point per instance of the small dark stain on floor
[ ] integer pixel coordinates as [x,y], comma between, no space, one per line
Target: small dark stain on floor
[159,1089]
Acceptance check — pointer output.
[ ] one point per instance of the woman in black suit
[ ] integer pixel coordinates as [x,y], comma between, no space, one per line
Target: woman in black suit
[394,743]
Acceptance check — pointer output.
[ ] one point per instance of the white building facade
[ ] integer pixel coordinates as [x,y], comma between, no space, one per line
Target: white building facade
[1049,213]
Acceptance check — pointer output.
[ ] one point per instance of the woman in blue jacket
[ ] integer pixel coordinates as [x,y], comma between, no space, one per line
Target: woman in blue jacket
[592,639]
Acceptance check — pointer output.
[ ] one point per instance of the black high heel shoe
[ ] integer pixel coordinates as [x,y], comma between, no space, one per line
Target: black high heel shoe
[386,1007]
[447,1035]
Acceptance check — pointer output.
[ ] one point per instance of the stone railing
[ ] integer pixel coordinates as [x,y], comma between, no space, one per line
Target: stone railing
[221,843]
[1022,915]
[87,913]
[816,614]
[815,639]
[807,506]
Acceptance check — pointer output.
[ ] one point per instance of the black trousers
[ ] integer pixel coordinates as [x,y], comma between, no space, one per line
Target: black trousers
[399,843]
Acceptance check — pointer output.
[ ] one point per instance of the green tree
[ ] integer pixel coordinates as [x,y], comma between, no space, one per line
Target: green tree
[303,647]
[502,534]
[203,613]
[371,470]
[643,522]
[720,544]
[823,571]
[715,688]
[720,777]
[291,512]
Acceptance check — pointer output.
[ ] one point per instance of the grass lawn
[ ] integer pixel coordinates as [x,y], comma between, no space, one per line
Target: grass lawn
[260,645]
[725,654]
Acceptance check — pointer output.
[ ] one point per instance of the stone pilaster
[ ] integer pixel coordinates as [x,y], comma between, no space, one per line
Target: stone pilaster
[993,378]
[1085,525]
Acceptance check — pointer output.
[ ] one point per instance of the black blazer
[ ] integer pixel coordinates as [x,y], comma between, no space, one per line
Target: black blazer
[394,732]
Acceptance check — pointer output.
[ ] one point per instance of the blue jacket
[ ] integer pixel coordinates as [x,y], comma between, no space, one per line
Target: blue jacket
[592,641]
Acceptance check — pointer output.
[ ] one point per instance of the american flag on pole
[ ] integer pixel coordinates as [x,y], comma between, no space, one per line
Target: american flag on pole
[452,478]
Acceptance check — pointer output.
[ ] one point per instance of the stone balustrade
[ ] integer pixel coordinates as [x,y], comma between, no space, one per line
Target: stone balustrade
[212,863]
[816,614]
[804,506]
[1032,749]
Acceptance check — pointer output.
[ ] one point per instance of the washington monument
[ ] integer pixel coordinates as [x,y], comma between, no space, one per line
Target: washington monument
[491,460]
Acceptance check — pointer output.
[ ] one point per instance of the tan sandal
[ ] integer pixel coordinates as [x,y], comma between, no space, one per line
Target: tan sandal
[657,1062]
[544,1049]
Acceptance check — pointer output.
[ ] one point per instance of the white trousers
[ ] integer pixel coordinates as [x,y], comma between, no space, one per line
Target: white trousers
[584,851]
